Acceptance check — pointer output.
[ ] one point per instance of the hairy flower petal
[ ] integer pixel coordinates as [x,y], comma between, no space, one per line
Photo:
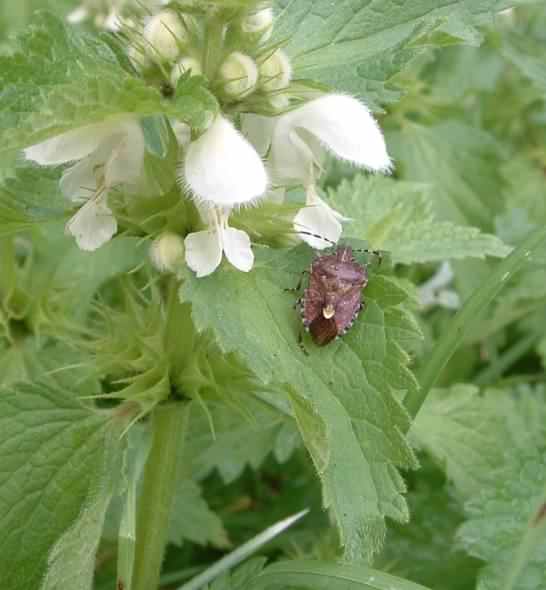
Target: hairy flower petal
[335,122]
[222,168]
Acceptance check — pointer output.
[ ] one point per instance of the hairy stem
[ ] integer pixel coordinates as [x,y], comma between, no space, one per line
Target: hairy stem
[468,315]
[169,423]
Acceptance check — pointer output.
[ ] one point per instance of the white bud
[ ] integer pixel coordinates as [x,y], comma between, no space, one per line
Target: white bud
[167,251]
[240,75]
[185,65]
[259,23]
[275,72]
[165,33]
[138,58]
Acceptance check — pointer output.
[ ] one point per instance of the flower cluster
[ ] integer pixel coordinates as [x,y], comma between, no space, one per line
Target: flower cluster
[269,136]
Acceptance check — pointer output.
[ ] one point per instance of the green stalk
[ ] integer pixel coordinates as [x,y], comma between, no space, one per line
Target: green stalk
[169,425]
[468,315]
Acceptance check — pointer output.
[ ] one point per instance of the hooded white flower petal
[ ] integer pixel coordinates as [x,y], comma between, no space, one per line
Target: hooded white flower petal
[339,123]
[236,244]
[222,168]
[203,252]
[93,225]
[321,220]
[70,146]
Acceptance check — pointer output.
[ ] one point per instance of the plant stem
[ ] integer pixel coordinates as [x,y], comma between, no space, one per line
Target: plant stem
[467,316]
[169,422]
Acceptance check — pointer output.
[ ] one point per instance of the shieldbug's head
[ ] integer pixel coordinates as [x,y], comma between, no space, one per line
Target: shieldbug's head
[333,298]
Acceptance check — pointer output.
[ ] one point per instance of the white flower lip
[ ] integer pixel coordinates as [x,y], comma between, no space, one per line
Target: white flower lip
[222,168]
[204,249]
[93,225]
[335,122]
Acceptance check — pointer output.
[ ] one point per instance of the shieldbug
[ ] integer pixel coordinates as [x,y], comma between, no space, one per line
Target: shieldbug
[333,299]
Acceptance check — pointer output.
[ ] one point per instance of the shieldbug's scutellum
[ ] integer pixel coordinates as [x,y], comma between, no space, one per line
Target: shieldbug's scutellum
[333,298]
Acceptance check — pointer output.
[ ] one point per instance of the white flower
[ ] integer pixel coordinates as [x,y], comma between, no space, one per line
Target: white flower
[434,292]
[334,122]
[106,154]
[221,167]
[204,249]
[319,219]
[240,74]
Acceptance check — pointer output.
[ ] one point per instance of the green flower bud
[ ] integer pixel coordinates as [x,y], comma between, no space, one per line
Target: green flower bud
[240,75]
[275,72]
[165,34]
[185,65]
[167,251]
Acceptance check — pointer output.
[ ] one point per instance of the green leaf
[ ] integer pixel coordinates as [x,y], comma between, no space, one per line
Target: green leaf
[192,519]
[318,575]
[60,79]
[59,467]
[459,161]
[423,551]
[343,394]
[462,431]
[358,47]
[506,524]
[399,217]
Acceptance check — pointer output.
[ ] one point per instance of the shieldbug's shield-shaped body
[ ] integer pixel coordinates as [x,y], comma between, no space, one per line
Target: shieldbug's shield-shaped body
[333,298]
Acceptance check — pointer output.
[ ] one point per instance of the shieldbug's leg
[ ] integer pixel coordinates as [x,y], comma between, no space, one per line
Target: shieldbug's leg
[297,288]
[301,344]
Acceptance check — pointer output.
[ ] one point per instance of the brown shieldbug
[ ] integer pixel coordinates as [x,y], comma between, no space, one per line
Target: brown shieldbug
[333,299]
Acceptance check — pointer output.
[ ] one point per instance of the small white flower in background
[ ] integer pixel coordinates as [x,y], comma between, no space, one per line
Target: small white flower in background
[433,291]
[167,251]
[106,155]
[336,123]
[222,171]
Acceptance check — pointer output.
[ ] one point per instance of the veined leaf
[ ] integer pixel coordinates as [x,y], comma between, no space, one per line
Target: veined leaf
[399,217]
[343,394]
[60,79]
[59,467]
